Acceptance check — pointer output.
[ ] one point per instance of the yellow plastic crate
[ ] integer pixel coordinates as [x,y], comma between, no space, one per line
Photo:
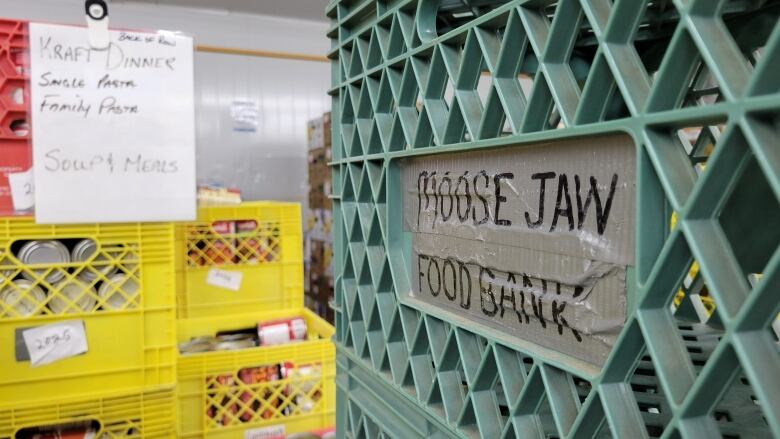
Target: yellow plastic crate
[148,414]
[129,328]
[215,400]
[261,240]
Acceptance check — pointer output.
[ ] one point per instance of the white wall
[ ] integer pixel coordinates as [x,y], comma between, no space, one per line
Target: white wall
[209,27]
[268,164]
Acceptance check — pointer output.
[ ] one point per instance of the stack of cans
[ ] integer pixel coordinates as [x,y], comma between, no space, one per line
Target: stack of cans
[235,242]
[66,276]
[242,397]
[267,333]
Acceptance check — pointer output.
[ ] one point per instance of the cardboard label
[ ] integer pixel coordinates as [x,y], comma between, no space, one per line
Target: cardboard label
[230,280]
[115,126]
[50,343]
[22,189]
[272,432]
[531,240]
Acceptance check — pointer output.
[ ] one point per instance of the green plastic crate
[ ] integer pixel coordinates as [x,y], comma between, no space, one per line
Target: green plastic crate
[370,408]
[695,85]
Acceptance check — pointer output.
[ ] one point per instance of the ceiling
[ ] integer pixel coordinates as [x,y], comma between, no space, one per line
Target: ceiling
[301,9]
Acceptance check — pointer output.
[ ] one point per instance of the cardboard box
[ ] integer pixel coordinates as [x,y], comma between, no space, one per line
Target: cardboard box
[319,225]
[319,132]
[319,297]
[321,264]
[326,130]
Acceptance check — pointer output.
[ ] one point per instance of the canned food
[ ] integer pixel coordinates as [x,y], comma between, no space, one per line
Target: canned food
[118,291]
[46,252]
[228,383]
[218,253]
[220,250]
[72,296]
[281,331]
[23,297]
[234,345]
[129,260]
[6,272]
[196,345]
[83,251]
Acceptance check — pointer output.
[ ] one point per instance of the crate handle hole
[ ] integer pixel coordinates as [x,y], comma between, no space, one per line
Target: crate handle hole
[85,426]
[20,127]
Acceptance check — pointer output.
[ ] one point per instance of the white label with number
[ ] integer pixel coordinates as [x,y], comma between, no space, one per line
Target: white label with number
[22,189]
[230,280]
[272,432]
[50,343]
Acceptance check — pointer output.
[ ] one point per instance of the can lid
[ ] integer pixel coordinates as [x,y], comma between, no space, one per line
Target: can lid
[44,252]
[83,250]
[74,290]
[23,296]
[118,290]
[47,252]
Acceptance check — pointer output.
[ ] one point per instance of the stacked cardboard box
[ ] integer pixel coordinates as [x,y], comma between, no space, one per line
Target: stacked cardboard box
[319,242]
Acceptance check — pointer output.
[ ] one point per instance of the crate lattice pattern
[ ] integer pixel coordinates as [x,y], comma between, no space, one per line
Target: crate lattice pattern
[695,84]
[147,414]
[109,280]
[258,394]
[208,247]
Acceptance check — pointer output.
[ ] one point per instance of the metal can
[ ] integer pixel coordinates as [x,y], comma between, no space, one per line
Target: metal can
[235,342]
[129,259]
[197,345]
[118,292]
[83,252]
[48,252]
[248,376]
[281,331]
[247,243]
[6,267]
[23,297]
[220,248]
[227,385]
[72,296]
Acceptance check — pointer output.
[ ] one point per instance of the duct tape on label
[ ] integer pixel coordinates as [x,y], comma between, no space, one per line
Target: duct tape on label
[533,241]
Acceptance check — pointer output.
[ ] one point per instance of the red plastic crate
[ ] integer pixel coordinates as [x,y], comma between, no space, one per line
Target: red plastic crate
[15,147]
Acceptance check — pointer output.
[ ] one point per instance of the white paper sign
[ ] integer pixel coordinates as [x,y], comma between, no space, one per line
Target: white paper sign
[272,432]
[244,114]
[113,131]
[230,280]
[22,189]
[50,343]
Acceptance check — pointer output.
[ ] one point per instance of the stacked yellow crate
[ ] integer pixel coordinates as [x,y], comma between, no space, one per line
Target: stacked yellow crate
[111,289]
[238,266]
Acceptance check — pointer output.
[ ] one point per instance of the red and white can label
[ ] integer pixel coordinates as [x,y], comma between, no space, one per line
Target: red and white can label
[281,331]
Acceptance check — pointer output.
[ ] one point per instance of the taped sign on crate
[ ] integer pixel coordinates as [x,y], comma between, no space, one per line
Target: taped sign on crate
[533,241]
[271,432]
[113,131]
[229,280]
[49,343]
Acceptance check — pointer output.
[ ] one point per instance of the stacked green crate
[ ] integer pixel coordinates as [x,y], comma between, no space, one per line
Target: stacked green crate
[692,85]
